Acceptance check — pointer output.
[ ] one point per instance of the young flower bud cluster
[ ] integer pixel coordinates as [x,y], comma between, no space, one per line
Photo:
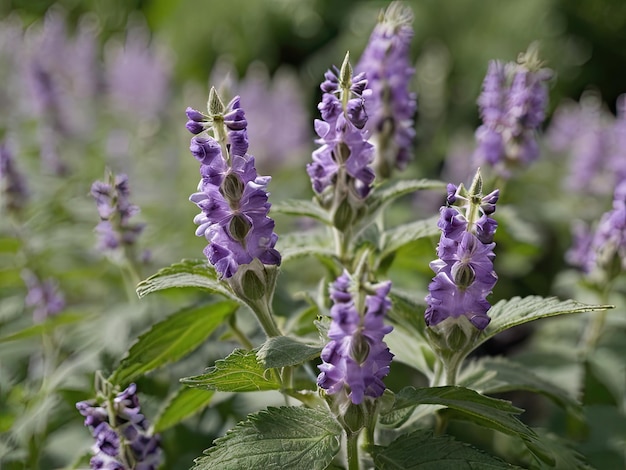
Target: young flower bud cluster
[603,251]
[512,108]
[340,171]
[464,271]
[390,106]
[12,183]
[356,359]
[233,198]
[44,297]
[121,433]
[115,228]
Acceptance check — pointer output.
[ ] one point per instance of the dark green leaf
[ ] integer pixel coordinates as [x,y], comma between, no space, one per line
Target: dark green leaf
[380,197]
[49,325]
[187,402]
[489,412]
[239,372]
[187,273]
[397,237]
[278,438]
[302,208]
[171,339]
[282,351]
[516,311]
[420,450]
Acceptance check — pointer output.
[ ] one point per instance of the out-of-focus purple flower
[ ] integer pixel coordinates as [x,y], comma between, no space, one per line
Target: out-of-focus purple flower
[112,200]
[512,107]
[390,106]
[138,75]
[12,183]
[233,198]
[356,359]
[464,274]
[617,157]
[343,160]
[122,434]
[603,250]
[44,297]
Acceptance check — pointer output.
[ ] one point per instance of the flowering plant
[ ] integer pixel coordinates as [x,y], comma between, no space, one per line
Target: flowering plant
[353,357]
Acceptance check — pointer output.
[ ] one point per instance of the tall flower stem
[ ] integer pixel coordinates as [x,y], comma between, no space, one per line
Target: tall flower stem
[237,333]
[353,451]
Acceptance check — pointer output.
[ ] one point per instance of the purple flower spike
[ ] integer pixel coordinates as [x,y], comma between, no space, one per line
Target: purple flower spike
[390,106]
[512,107]
[232,197]
[126,438]
[356,358]
[44,297]
[12,183]
[464,274]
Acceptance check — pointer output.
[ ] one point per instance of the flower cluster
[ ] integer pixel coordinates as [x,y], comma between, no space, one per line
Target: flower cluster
[115,228]
[343,160]
[356,358]
[121,433]
[233,198]
[44,297]
[12,183]
[604,249]
[464,273]
[512,108]
[390,106]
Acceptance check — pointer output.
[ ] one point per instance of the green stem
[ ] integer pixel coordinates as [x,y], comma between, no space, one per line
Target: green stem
[353,451]
[266,319]
[237,333]
[451,366]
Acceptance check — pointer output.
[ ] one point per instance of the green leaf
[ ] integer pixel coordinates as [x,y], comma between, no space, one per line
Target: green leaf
[283,351]
[397,237]
[381,197]
[171,339]
[49,325]
[485,411]
[420,450]
[516,311]
[498,375]
[187,273]
[239,372]
[302,208]
[311,243]
[286,437]
[185,403]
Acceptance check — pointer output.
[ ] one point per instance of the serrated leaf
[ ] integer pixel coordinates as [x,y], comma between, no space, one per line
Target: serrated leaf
[486,411]
[397,237]
[381,197]
[49,325]
[277,438]
[185,403]
[303,208]
[498,375]
[509,313]
[187,273]
[240,371]
[420,450]
[171,339]
[283,351]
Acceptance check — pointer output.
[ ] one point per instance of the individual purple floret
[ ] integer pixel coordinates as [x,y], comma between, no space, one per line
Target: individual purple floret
[464,274]
[343,160]
[112,199]
[44,297]
[12,183]
[390,106]
[122,433]
[232,196]
[356,358]
[512,107]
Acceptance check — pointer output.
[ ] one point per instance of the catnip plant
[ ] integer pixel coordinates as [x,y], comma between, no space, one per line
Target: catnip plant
[347,362]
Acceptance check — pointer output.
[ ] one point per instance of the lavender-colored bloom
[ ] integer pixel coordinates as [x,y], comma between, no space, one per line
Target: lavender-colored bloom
[356,358]
[390,106]
[232,196]
[124,444]
[44,297]
[512,107]
[112,200]
[12,183]
[464,274]
[343,160]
